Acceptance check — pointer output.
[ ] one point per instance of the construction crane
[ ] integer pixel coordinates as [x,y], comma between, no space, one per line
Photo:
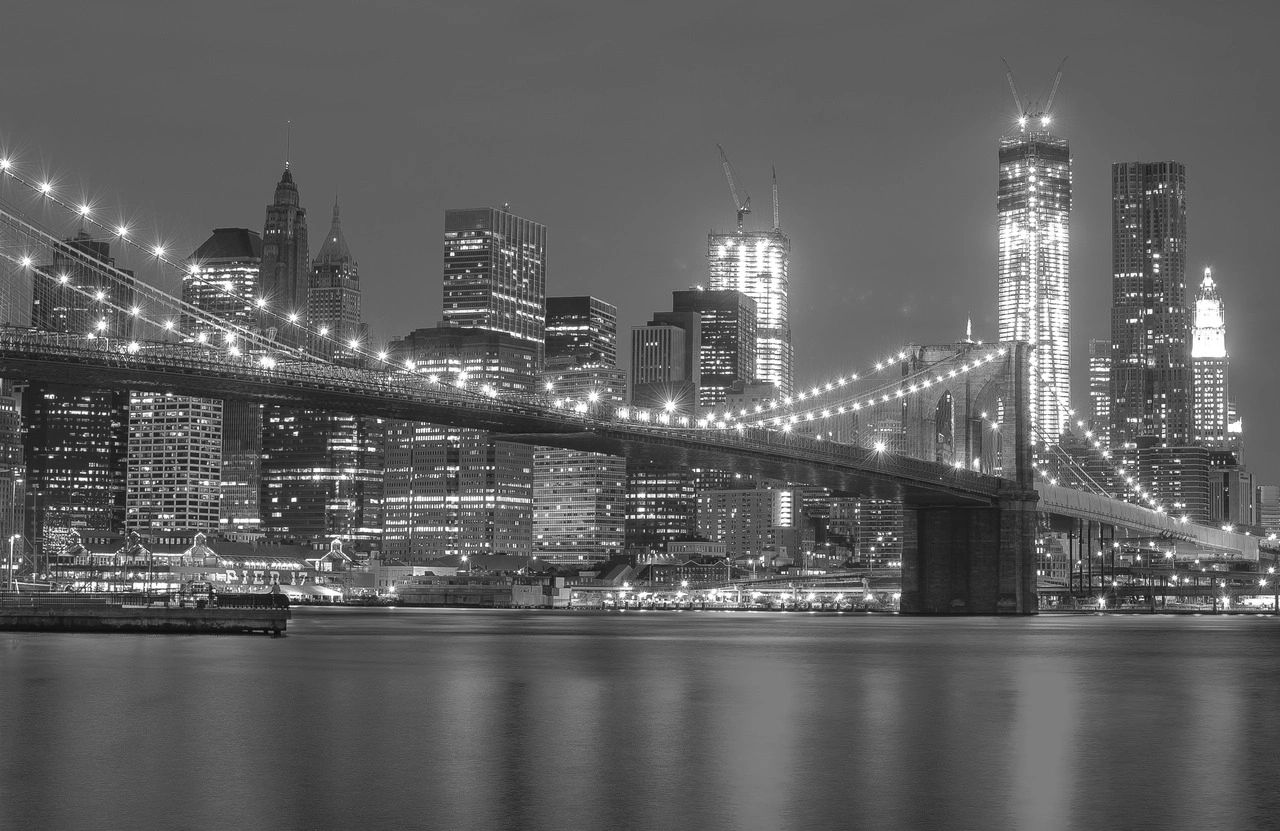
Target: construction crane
[1033,110]
[743,206]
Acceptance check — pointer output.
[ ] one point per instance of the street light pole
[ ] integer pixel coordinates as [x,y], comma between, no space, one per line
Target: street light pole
[9,580]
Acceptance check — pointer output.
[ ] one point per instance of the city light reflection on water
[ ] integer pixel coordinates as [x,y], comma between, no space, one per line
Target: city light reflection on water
[483,719]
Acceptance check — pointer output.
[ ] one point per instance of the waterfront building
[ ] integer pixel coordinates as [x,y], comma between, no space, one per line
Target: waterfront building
[1151,324]
[75,441]
[222,280]
[749,522]
[454,490]
[239,512]
[579,506]
[174,464]
[322,478]
[726,344]
[495,273]
[661,505]
[333,298]
[1033,206]
[757,264]
[581,331]
[1100,390]
[1210,364]
[579,498]
[285,274]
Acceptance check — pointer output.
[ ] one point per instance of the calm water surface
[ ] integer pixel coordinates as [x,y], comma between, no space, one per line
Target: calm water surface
[415,718]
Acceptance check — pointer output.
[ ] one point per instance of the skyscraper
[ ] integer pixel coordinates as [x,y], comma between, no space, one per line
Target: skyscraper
[75,440]
[579,498]
[333,299]
[322,471]
[1100,389]
[495,273]
[1151,373]
[222,279]
[727,344]
[285,274]
[174,465]
[1033,205]
[757,264]
[454,490]
[1210,362]
[664,363]
[581,331]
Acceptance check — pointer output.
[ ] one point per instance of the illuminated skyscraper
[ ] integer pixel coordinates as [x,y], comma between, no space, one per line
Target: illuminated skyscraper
[1209,362]
[727,346]
[1033,207]
[756,263]
[581,331]
[1100,389]
[285,274]
[495,273]
[333,299]
[1151,373]
[174,465]
[222,279]
[664,363]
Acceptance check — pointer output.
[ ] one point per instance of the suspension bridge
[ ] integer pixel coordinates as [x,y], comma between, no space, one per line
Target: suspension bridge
[945,429]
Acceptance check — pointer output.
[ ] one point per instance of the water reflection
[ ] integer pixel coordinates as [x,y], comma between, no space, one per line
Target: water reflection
[455,719]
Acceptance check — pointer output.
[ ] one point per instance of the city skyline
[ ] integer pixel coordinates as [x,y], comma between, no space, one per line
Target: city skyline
[871,257]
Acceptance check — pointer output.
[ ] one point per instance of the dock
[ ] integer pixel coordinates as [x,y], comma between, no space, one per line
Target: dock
[135,612]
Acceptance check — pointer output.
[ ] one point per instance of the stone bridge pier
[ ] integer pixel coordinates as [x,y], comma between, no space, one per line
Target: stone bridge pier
[979,559]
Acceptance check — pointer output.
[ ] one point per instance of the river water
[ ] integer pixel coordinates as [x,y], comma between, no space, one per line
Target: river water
[423,718]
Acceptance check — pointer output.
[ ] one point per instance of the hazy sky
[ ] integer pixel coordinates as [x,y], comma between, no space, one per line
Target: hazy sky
[600,120]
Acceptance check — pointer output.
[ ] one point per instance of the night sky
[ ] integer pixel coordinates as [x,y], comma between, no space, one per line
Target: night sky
[601,120]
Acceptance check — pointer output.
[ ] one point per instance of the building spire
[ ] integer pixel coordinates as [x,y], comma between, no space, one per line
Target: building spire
[288,137]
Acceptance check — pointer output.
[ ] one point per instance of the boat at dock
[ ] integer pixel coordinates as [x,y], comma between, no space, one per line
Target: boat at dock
[211,613]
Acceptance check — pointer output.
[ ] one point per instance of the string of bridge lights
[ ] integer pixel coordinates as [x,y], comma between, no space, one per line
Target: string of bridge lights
[819,389]
[86,212]
[916,383]
[1130,481]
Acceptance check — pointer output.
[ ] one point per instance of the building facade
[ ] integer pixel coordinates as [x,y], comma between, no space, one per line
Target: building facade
[333,297]
[1100,390]
[495,273]
[222,280]
[726,344]
[1151,325]
[285,274]
[757,264]
[665,369]
[581,331]
[454,490]
[1210,364]
[1033,207]
[174,465]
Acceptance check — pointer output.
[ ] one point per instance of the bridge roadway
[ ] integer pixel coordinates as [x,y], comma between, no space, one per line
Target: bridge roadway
[192,370]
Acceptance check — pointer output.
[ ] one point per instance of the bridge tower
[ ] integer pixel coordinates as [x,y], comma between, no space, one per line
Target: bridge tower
[979,559]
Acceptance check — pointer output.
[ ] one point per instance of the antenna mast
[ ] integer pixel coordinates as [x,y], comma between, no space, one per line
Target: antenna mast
[777,225]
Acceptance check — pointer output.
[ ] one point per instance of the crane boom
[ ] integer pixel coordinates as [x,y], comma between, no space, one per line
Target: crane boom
[1057,79]
[743,207]
[1008,74]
